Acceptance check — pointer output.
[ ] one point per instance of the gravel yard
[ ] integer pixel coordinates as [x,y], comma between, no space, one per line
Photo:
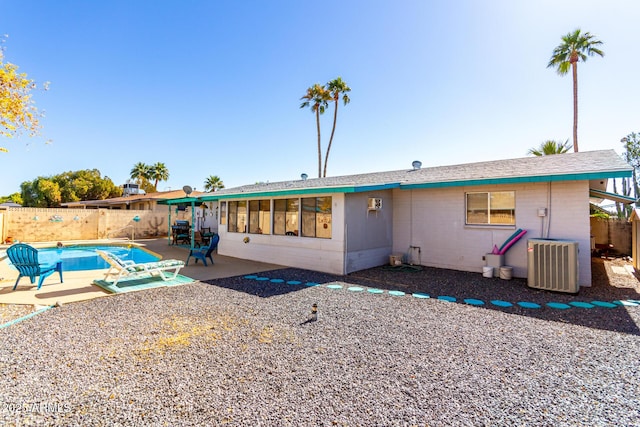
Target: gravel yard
[243,352]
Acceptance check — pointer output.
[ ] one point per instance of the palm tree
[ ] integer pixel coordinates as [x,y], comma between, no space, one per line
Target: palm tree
[213,183]
[158,172]
[335,87]
[550,147]
[317,97]
[575,47]
[140,172]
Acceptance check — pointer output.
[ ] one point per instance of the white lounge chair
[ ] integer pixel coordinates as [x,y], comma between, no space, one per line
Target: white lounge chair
[121,269]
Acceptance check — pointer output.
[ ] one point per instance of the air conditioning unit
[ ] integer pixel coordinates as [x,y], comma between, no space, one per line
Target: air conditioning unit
[553,265]
[375,204]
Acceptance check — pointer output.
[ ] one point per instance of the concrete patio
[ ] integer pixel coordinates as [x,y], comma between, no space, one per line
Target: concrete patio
[78,285]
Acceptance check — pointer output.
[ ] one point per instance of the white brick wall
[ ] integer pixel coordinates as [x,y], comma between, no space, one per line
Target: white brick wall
[434,221]
[325,255]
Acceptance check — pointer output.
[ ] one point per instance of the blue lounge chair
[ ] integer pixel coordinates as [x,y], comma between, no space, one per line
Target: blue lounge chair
[25,259]
[204,253]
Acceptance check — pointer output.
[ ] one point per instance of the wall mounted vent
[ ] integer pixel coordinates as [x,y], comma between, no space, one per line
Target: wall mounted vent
[552,265]
[375,204]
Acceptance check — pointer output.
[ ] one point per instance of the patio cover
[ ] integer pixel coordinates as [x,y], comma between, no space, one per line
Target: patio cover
[599,194]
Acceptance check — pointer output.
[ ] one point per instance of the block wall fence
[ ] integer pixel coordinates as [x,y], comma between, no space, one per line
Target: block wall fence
[613,231]
[58,224]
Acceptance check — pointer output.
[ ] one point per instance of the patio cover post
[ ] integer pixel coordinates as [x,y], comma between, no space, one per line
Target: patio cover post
[193,213]
[169,225]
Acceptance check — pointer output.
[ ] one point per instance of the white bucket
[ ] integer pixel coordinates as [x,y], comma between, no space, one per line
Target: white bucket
[395,259]
[506,273]
[487,271]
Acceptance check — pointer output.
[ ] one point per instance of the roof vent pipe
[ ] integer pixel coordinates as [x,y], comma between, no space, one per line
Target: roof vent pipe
[304,176]
[417,164]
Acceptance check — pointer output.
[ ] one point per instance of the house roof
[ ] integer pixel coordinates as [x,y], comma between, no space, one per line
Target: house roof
[588,165]
[134,198]
[598,194]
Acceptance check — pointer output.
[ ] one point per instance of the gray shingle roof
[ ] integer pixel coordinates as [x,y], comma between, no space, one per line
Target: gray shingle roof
[582,165]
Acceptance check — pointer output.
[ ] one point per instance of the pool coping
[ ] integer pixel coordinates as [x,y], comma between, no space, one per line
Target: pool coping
[78,285]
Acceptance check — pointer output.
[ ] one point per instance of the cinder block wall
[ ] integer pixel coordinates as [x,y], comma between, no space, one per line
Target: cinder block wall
[50,224]
[615,231]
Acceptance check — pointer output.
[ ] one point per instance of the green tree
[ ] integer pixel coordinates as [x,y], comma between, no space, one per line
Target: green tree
[550,147]
[17,108]
[575,46]
[15,198]
[140,172]
[68,187]
[631,155]
[317,97]
[85,184]
[336,88]
[41,193]
[213,183]
[158,172]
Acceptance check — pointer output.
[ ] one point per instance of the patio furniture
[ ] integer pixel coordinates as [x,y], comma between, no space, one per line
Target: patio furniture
[126,269]
[25,259]
[181,232]
[204,253]
[206,235]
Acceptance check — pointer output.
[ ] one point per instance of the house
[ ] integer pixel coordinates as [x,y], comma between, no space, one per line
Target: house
[130,201]
[444,217]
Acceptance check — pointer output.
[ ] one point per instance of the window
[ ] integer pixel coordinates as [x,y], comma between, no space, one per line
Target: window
[497,208]
[316,217]
[237,217]
[260,216]
[285,216]
[223,213]
[308,217]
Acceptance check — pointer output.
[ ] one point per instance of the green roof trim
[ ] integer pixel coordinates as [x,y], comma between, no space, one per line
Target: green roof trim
[301,191]
[521,179]
[611,196]
[180,201]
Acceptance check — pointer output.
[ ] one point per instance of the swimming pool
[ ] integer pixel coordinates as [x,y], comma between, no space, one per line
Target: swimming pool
[81,257]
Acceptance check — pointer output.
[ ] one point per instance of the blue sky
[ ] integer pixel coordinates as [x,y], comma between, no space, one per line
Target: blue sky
[214,87]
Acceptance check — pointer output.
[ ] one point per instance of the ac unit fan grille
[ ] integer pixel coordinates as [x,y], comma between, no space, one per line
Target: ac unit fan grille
[553,265]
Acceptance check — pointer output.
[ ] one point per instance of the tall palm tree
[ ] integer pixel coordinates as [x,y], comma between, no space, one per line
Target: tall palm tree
[317,97]
[336,88]
[550,147]
[140,172]
[575,46]
[213,183]
[158,172]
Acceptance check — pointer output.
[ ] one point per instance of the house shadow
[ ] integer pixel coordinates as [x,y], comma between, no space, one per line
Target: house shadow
[475,289]
[274,282]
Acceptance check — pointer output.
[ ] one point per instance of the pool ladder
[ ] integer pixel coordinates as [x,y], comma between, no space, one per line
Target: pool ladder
[133,231]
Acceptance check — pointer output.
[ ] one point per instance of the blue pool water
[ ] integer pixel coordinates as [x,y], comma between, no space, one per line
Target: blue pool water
[77,258]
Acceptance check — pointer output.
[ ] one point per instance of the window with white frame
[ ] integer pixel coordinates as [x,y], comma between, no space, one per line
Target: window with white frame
[491,208]
[316,217]
[223,213]
[237,217]
[307,217]
[260,216]
[285,216]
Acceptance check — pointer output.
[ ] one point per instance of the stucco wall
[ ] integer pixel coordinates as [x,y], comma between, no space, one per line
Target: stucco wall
[50,225]
[429,225]
[325,255]
[615,231]
[369,232]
